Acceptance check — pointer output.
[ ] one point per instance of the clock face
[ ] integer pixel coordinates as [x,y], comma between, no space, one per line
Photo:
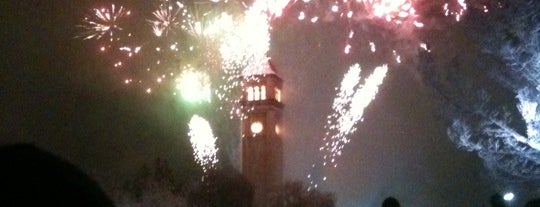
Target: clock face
[256,127]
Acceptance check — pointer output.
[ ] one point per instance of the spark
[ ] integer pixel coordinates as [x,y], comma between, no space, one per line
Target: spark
[456,10]
[372,45]
[203,142]
[394,14]
[248,41]
[397,11]
[348,109]
[244,49]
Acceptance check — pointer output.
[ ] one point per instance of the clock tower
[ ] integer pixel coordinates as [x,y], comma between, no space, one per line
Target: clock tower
[262,147]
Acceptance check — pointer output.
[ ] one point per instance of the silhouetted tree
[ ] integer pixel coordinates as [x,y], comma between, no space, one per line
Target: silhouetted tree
[32,177]
[151,187]
[221,188]
[533,203]
[295,194]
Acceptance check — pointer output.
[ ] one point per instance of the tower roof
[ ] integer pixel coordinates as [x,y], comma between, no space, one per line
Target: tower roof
[266,68]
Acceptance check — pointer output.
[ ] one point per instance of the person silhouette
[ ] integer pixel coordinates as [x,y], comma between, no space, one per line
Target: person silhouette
[390,202]
[497,200]
[33,177]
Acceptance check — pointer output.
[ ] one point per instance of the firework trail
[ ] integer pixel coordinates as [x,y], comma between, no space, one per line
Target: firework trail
[348,108]
[203,142]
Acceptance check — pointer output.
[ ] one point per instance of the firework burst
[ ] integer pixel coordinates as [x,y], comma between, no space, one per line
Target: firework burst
[167,18]
[104,22]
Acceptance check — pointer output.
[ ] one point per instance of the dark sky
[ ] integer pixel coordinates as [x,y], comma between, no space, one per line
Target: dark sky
[56,93]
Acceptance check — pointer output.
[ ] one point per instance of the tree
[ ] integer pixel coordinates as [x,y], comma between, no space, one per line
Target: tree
[151,187]
[484,114]
[533,203]
[295,194]
[221,188]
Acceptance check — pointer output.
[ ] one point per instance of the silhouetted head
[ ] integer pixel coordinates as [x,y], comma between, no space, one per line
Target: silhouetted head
[497,200]
[390,202]
[33,177]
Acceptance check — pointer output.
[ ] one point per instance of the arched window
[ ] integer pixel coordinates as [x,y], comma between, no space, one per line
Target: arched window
[250,93]
[257,93]
[263,92]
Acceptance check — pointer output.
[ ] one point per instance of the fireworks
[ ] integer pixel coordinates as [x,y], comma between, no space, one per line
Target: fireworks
[194,86]
[397,11]
[167,18]
[185,33]
[244,48]
[459,9]
[243,41]
[247,43]
[104,22]
[348,108]
[173,16]
[203,142]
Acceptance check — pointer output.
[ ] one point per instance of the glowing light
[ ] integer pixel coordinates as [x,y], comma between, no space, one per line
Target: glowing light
[278,95]
[263,92]
[508,196]
[256,127]
[203,142]
[347,49]
[194,86]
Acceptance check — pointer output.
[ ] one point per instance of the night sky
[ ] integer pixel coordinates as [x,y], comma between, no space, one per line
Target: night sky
[58,94]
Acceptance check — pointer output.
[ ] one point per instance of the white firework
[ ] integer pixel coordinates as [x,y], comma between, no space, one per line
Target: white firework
[203,142]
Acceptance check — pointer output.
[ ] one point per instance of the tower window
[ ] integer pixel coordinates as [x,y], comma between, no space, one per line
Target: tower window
[263,92]
[250,93]
[278,95]
[257,93]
